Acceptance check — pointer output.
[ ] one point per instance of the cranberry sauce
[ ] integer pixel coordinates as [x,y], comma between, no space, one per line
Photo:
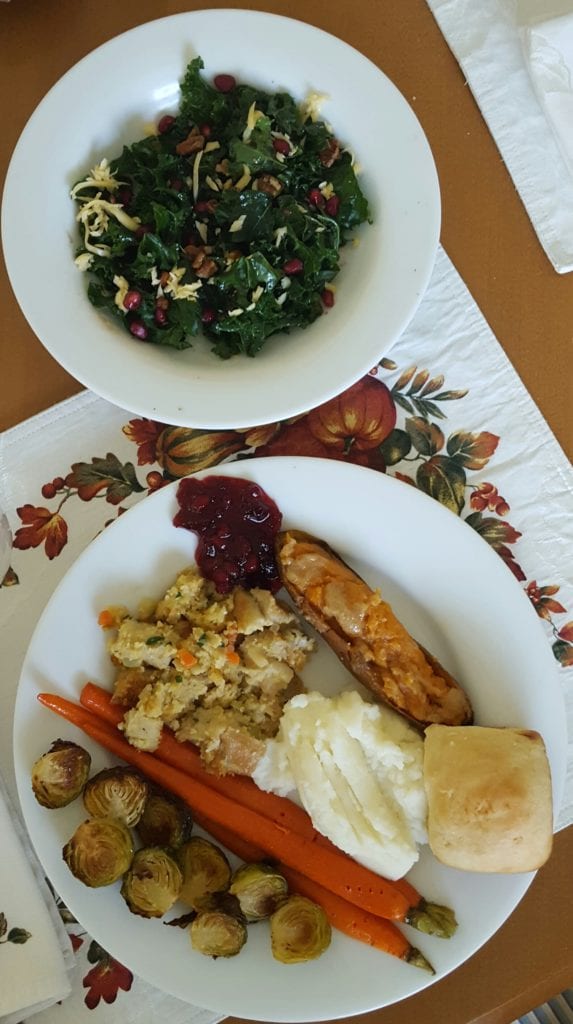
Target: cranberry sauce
[236,523]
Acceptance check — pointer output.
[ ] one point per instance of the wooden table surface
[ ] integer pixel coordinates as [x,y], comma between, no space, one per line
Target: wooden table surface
[488,236]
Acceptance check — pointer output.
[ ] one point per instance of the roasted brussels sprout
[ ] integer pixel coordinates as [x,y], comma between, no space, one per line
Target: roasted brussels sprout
[99,852]
[153,882]
[205,869]
[118,793]
[259,889]
[166,821]
[300,930]
[220,929]
[59,776]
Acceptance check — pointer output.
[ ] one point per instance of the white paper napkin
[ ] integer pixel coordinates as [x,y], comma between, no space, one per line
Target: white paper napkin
[35,952]
[486,39]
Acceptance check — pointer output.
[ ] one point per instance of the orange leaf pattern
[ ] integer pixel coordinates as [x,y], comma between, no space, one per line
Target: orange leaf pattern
[41,527]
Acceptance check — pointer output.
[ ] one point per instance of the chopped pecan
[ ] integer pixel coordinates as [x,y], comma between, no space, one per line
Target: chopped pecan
[201,262]
[194,141]
[269,184]
[163,278]
[330,153]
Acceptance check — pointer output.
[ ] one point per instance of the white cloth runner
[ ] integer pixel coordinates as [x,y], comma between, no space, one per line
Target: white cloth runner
[35,953]
[518,492]
[486,39]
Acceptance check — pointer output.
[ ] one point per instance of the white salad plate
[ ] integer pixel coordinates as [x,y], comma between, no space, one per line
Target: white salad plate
[453,593]
[106,101]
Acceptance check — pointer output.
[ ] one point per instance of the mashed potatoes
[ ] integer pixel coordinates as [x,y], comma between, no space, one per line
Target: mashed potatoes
[357,768]
[215,668]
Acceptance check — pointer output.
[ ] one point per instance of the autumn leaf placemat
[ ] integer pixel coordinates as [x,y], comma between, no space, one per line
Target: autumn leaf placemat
[444,412]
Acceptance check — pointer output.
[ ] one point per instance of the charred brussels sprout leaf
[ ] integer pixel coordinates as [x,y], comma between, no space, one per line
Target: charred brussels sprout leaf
[259,889]
[166,821]
[59,776]
[300,930]
[116,793]
[220,929]
[205,870]
[153,883]
[99,852]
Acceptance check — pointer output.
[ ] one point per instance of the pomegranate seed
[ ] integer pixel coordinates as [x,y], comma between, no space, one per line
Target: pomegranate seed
[224,83]
[124,196]
[58,482]
[328,298]
[143,229]
[48,491]
[332,206]
[165,124]
[176,184]
[281,146]
[202,206]
[208,316]
[160,316]
[138,329]
[132,301]
[293,267]
[205,130]
[316,198]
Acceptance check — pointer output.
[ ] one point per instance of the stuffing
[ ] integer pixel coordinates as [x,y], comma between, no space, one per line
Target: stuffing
[217,669]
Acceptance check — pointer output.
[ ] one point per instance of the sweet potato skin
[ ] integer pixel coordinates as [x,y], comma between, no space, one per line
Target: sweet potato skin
[364,633]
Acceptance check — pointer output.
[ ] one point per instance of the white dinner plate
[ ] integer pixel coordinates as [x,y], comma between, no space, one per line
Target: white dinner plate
[456,597]
[105,101]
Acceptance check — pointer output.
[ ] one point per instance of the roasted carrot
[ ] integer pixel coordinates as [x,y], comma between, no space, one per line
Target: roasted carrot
[334,870]
[358,924]
[431,918]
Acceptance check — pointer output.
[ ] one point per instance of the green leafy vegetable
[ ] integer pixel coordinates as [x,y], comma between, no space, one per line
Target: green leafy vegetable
[229,219]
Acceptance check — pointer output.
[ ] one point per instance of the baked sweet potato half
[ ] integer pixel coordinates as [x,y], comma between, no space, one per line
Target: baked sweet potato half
[363,631]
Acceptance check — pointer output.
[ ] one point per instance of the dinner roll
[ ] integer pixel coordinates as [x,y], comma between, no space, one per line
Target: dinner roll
[489,798]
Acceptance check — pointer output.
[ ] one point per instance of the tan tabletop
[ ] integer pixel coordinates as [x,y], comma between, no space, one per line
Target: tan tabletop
[488,236]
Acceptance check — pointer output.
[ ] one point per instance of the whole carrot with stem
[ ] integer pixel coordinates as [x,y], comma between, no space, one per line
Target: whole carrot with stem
[335,871]
[430,918]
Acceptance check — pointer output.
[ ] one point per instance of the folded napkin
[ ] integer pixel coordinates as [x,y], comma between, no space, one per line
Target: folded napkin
[548,47]
[510,84]
[35,952]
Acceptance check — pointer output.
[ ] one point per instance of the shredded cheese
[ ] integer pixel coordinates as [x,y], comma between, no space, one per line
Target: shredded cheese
[211,183]
[122,286]
[311,105]
[279,234]
[236,312]
[84,261]
[211,146]
[202,230]
[256,294]
[100,177]
[282,299]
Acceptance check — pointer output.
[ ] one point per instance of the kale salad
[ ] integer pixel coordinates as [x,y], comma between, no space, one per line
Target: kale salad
[228,219]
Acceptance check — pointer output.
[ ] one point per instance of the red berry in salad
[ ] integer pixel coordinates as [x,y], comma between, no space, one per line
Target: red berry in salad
[208,316]
[143,229]
[316,198]
[139,330]
[205,130]
[293,267]
[165,124]
[224,83]
[160,316]
[332,206]
[281,146]
[327,297]
[132,301]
